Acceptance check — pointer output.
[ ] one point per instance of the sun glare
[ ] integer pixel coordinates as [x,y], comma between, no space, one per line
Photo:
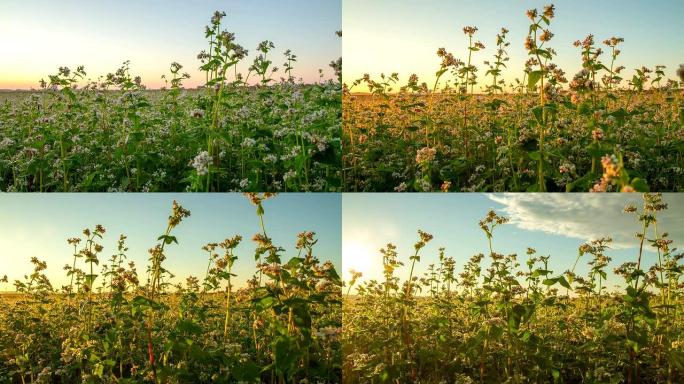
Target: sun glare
[357,256]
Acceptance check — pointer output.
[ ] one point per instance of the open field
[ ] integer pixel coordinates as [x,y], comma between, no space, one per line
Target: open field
[257,131]
[546,131]
[496,318]
[115,322]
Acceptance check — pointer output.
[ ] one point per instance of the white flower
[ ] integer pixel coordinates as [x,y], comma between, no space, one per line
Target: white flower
[289,174]
[248,142]
[6,142]
[425,185]
[243,112]
[400,188]
[425,155]
[201,163]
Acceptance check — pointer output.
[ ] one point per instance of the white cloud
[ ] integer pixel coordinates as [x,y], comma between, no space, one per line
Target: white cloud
[586,216]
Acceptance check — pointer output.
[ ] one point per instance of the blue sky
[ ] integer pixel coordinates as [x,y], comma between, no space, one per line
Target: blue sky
[553,224]
[403,35]
[38,36]
[39,224]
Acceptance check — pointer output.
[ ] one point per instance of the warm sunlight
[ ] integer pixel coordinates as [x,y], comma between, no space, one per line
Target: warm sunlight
[359,257]
[39,36]
[377,41]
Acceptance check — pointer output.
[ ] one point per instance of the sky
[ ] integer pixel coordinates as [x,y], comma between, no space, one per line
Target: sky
[39,36]
[553,224]
[40,224]
[403,35]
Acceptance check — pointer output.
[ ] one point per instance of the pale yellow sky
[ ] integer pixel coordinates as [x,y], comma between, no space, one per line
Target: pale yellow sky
[386,36]
[39,36]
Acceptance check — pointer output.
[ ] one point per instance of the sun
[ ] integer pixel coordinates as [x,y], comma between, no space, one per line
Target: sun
[359,257]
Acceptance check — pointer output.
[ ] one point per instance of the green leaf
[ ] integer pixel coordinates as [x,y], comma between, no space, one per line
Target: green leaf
[540,272]
[188,326]
[538,112]
[266,302]
[595,150]
[90,280]
[631,292]
[99,370]
[248,372]
[543,53]
[639,185]
[286,354]
[676,358]
[168,239]
[533,78]
[140,304]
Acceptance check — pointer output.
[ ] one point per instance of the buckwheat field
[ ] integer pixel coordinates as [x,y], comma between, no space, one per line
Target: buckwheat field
[118,322]
[529,128]
[259,130]
[515,318]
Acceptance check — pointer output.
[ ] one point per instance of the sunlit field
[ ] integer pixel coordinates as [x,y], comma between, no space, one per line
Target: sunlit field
[597,130]
[260,130]
[118,322]
[512,318]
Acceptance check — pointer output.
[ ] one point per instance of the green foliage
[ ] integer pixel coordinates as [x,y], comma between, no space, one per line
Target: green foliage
[492,320]
[537,134]
[227,135]
[111,328]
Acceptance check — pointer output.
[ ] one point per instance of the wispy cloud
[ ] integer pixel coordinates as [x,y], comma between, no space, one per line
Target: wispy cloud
[585,216]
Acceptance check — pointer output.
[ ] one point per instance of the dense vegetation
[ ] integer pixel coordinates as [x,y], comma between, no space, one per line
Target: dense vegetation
[113,135]
[599,133]
[122,325]
[503,319]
